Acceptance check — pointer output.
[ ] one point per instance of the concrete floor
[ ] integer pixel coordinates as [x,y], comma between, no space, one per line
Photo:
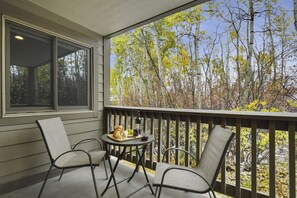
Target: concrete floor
[79,184]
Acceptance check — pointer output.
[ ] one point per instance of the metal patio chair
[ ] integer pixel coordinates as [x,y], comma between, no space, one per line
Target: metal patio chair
[202,177]
[62,156]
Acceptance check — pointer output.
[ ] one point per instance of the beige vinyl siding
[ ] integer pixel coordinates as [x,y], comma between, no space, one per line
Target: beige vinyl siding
[100,76]
[22,150]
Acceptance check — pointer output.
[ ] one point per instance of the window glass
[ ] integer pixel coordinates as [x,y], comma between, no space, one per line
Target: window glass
[44,72]
[30,68]
[73,66]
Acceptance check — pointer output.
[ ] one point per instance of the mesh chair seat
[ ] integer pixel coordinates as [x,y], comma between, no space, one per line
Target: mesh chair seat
[80,159]
[180,179]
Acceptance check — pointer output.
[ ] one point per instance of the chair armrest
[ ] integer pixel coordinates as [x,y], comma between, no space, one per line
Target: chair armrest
[183,169]
[90,140]
[180,149]
[77,150]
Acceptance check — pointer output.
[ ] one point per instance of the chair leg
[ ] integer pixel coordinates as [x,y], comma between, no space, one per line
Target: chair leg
[156,191]
[94,180]
[61,175]
[214,195]
[45,180]
[160,192]
[105,168]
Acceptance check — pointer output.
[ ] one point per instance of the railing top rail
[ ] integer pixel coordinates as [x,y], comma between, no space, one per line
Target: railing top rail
[287,116]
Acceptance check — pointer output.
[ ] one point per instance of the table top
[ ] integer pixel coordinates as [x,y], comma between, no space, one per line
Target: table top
[136,142]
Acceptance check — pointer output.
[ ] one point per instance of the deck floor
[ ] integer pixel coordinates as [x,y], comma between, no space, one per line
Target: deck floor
[79,184]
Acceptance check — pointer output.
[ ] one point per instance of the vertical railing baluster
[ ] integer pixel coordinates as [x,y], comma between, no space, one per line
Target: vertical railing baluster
[109,128]
[109,121]
[114,119]
[223,168]
[168,139]
[125,125]
[118,148]
[177,139]
[272,158]
[144,123]
[144,131]
[254,158]
[292,155]
[210,125]
[159,137]
[198,139]
[187,141]
[153,143]
[113,150]
[120,118]
[238,158]
[132,127]
[125,120]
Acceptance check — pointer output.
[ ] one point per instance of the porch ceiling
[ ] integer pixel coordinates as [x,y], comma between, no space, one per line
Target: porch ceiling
[109,16]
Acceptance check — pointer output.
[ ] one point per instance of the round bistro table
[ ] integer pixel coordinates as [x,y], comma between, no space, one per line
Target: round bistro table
[140,145]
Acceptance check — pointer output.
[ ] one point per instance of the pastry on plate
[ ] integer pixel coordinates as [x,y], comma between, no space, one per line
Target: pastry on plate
[118,132]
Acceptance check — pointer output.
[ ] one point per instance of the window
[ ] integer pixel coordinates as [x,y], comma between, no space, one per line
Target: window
[73,64]
[44,72]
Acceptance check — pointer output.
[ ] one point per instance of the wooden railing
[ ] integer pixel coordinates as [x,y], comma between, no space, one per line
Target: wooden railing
[188,129]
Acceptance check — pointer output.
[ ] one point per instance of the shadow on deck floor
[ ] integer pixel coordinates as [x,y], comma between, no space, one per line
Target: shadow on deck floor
[79,184]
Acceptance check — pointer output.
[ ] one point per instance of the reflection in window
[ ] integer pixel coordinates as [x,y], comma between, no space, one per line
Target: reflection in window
[44,71]
[72,75]
[29,68]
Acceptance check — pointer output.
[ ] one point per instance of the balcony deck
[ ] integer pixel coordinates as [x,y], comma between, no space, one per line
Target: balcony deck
[78,184]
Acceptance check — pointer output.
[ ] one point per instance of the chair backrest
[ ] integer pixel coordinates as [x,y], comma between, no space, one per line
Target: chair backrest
[54,136]
[214,153]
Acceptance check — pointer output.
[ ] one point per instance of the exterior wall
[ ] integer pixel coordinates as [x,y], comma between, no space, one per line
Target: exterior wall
[22,150]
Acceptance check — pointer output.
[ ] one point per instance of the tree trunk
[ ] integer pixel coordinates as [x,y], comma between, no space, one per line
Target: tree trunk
[249,74]
[196,43]
[272,53]
[160,67]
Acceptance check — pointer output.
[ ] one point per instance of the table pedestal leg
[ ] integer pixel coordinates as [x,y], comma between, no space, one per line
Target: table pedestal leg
[144,171]
[112,170]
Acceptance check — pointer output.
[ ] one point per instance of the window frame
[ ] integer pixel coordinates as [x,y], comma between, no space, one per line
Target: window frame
[9,111]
